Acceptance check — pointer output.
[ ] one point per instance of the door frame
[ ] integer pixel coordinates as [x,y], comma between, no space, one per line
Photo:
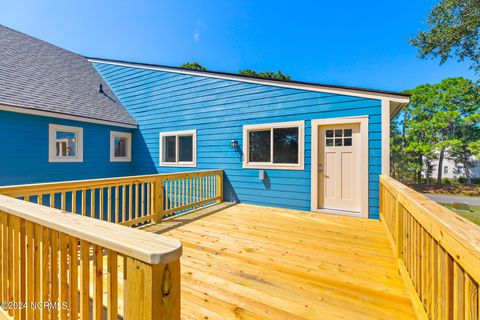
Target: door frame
[364,187]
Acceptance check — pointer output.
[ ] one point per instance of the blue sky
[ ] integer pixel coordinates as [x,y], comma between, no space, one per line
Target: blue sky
[354,43]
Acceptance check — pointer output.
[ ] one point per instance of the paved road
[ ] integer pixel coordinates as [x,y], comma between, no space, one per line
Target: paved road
[451,199]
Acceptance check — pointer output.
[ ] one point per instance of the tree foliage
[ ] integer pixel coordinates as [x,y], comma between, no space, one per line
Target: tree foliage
[440,119]
[454,32]
[265,74]
[193,66]
[246,72]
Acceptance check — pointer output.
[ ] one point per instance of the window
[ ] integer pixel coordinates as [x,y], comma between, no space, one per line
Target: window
[120,146]
[445,169]
[65,144]
[274,146]
[338,138]
[178,149]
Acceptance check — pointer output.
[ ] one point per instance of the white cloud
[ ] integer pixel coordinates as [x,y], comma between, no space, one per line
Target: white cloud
[198,29]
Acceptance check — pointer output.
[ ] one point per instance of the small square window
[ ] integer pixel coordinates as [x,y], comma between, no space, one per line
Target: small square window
[329,133]
[120,146]
[178,149]
[338,142]
[338,133]
[65,144]
[329,143]
[347,132]
[347,142]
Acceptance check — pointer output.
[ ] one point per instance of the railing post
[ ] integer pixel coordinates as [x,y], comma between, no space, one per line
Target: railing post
[158,199]
[220,186]
[152,291]
[399,231]
[382,200]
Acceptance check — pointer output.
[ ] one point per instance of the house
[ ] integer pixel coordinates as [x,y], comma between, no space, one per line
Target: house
[452,170]
[287,144]
[161,148]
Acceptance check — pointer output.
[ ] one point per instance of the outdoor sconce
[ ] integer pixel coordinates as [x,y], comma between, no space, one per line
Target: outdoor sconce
[234,144]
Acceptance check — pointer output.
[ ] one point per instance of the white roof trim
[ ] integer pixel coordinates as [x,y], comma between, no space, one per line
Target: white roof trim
[24,110]
[311,87]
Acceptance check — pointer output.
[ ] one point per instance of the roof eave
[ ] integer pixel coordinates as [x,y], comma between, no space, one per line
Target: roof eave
[46,113]
[360,92]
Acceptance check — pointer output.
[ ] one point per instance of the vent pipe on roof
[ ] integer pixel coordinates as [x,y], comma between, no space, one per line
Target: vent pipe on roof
[100,88]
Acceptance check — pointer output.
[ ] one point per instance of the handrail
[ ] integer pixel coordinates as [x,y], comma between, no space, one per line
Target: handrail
[144,246]
[64,259]
[438,252]
[33,188]
[132,200]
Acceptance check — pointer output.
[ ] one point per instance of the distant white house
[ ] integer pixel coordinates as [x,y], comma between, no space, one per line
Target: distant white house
[452,170]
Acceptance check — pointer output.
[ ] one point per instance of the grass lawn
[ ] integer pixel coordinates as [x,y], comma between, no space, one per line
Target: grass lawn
[473,215]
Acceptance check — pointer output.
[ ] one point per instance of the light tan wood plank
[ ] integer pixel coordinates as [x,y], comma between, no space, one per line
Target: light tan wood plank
[296,273]
[84,280]
[471,299]
[73,277]
[55,278]
[64,289]
[97,283]
[458,293]
[112,300]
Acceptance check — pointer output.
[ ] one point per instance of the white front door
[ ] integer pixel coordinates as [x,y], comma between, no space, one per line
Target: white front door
[339,165]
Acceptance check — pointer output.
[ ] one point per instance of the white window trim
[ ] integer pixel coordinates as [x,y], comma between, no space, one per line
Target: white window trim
[115,134]
[52,138]
[190,164]
[271,165]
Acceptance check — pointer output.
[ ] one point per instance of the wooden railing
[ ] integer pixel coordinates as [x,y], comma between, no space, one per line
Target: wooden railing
[186,191]
[57,265]
[438,252]
[127,200]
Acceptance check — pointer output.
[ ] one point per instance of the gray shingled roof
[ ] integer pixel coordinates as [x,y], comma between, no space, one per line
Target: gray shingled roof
[37,75]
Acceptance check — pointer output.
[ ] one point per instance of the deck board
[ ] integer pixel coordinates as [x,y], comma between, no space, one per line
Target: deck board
[252,262]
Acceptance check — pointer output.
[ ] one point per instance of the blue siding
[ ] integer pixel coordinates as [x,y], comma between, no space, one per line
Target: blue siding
[166,101]
[24,151]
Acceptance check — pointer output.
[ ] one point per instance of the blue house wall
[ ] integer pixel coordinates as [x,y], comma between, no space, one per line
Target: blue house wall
[218,108]
[24,151]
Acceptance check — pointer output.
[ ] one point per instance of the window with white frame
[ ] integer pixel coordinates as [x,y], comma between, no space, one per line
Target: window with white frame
[65,143]
[120,146]
[178,149]
[274,145]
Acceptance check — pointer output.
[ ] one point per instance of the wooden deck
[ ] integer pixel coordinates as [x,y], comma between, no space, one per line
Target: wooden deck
[250,262]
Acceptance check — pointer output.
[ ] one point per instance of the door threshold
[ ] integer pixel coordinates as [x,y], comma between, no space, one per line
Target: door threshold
[338,212]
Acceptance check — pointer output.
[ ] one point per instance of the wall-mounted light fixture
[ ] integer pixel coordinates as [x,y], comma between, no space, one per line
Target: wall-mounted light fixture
[234,144]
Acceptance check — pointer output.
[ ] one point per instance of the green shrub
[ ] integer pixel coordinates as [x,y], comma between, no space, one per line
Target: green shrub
[447,181]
